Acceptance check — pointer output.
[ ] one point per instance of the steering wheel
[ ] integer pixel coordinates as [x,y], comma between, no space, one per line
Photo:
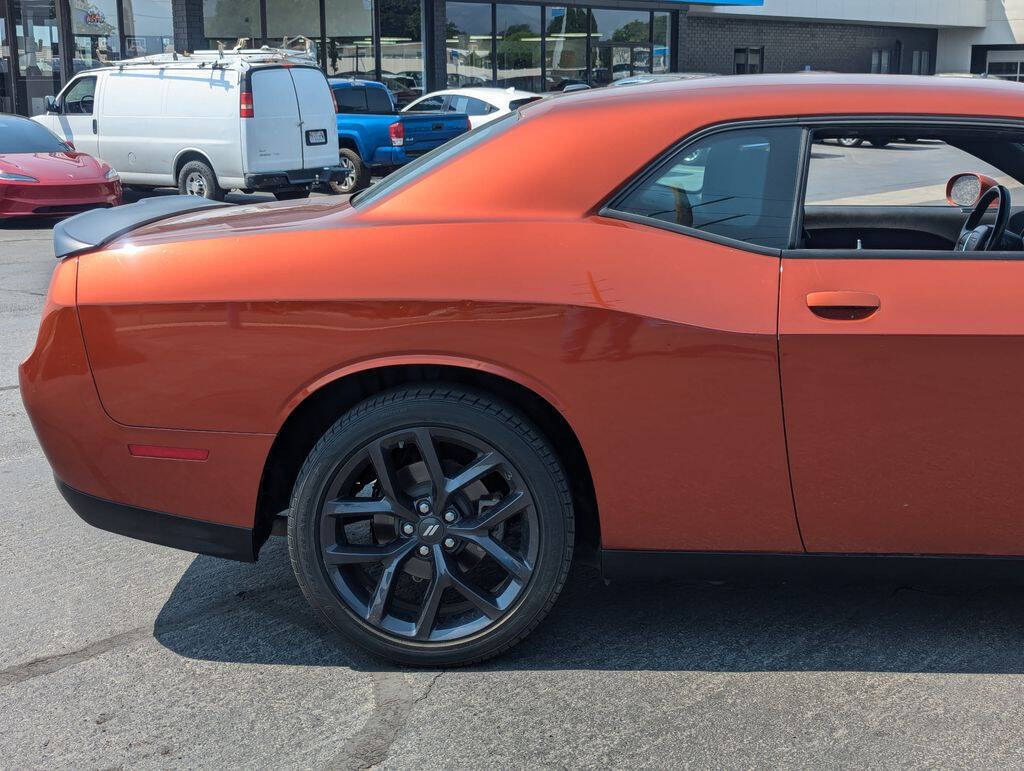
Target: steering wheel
[975,237]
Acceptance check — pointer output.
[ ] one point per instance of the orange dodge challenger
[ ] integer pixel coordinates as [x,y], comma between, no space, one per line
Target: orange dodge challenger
[641,323]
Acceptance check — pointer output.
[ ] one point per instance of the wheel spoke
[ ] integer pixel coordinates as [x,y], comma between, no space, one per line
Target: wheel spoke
[382,595]
[351,554]
[388,482]
[478,599]
[431,602]
[428,451]
[508,561]
[347,508]
[483,465]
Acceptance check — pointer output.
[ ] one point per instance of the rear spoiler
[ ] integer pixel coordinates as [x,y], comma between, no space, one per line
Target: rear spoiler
[94,229]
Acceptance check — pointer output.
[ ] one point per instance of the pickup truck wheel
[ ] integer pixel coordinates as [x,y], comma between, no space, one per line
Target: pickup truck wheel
[197,178]
[357,176]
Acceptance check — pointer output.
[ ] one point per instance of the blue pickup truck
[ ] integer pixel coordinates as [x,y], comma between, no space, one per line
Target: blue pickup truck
[374,139]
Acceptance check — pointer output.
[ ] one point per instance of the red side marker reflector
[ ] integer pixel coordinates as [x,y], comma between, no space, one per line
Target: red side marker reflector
[174,453]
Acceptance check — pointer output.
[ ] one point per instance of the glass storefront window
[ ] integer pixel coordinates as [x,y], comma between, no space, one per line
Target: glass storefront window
[518,46]
[350,48]
[624,45]
[148,27]
[97,38]
[293,24]
[661,61]
[565,43]
[38,44]
[469,44]
[401,49]
[226,21]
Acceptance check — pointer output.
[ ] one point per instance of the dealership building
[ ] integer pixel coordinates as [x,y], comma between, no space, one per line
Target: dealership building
[540,46]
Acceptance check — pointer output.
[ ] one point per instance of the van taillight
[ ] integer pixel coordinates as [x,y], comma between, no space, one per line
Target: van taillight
[397,132]
[245,108]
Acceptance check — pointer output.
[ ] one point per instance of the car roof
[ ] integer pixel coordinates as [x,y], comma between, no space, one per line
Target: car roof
[487,93]
[350,82]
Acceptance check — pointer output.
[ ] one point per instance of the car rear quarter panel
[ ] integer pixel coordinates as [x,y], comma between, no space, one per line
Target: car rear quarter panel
[658,349]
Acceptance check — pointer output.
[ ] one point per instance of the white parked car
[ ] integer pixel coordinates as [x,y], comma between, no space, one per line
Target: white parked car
[482,105]
[206,123]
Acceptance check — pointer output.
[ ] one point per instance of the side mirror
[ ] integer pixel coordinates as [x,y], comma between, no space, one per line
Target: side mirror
[965,190]
[51,105]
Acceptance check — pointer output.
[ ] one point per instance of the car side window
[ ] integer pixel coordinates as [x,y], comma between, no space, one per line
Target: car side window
[739,184]
[430,104]
[351,100]
[78,100]
[476,106]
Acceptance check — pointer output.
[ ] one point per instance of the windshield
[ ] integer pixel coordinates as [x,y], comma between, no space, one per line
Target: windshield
[425,163]
[18,135]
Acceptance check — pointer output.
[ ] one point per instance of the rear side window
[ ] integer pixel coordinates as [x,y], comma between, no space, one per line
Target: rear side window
[739,184]
[378,101]
[351,99]
[468,105]
[515,104]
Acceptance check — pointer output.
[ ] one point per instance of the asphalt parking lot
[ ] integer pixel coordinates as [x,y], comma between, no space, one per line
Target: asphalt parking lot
[117,653]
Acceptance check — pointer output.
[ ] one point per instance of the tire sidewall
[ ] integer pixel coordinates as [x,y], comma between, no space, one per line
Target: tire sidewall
[213,190]
[524,448]
[359,173]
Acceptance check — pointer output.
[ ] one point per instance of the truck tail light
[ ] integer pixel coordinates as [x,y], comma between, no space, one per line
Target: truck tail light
[469,124]
[397,132]
[334,99]
[245,106]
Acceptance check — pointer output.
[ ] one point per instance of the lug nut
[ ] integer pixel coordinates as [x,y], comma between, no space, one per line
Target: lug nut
[450,516]
[424,551]
[449,543]
[408,529]
[423,507]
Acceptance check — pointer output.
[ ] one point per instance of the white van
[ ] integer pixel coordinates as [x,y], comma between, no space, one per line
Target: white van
[206,122]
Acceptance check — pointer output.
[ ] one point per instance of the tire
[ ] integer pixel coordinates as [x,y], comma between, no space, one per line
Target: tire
[520,510]
[358,175]
[291,195]
[197,178]
[850,141]
[880,142]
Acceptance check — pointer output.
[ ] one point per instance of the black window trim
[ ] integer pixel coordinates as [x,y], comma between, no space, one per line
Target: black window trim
[607,207]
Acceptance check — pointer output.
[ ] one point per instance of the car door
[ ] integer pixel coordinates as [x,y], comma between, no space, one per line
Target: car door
[708,222]
[273,134]
[77,120]
[902,381]
[316,113]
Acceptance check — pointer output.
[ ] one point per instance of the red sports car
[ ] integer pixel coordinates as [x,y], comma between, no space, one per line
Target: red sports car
[42,175]
[706,336]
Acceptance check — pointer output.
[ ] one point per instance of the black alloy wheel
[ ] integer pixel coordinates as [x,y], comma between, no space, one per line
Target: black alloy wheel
[432,526]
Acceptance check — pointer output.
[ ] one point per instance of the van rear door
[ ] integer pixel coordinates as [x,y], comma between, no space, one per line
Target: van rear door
[273,136]
[316,111]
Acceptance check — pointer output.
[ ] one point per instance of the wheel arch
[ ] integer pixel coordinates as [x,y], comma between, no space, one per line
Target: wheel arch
[187,155]
[351,141]
[328,399]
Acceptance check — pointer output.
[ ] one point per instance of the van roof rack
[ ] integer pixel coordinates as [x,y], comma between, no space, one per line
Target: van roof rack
[219,57]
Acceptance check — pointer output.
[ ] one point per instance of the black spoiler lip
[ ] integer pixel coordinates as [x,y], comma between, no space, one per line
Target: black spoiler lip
[94,229]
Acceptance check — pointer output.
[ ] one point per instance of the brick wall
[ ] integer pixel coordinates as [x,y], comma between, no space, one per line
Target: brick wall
[188,25]
[707,44]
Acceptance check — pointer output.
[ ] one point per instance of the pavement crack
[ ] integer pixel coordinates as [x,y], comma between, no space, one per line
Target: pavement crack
[8,388]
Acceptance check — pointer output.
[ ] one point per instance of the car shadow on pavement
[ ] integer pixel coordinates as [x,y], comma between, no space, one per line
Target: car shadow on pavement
[234,612]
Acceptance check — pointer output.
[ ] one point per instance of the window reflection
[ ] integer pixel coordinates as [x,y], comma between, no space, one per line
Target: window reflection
[401,49]
[623,47]
[97,39]
[518,46]
[566,46]
[350,49]
[660,59]
[38,43]
[148,27]
[469,45]
[227,21]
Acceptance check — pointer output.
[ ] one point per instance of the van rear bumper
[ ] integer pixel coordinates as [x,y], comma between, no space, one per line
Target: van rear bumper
[292,180]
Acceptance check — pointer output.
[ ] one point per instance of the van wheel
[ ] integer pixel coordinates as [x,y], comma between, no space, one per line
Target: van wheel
[291,195]
[197,178]
[357,176]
